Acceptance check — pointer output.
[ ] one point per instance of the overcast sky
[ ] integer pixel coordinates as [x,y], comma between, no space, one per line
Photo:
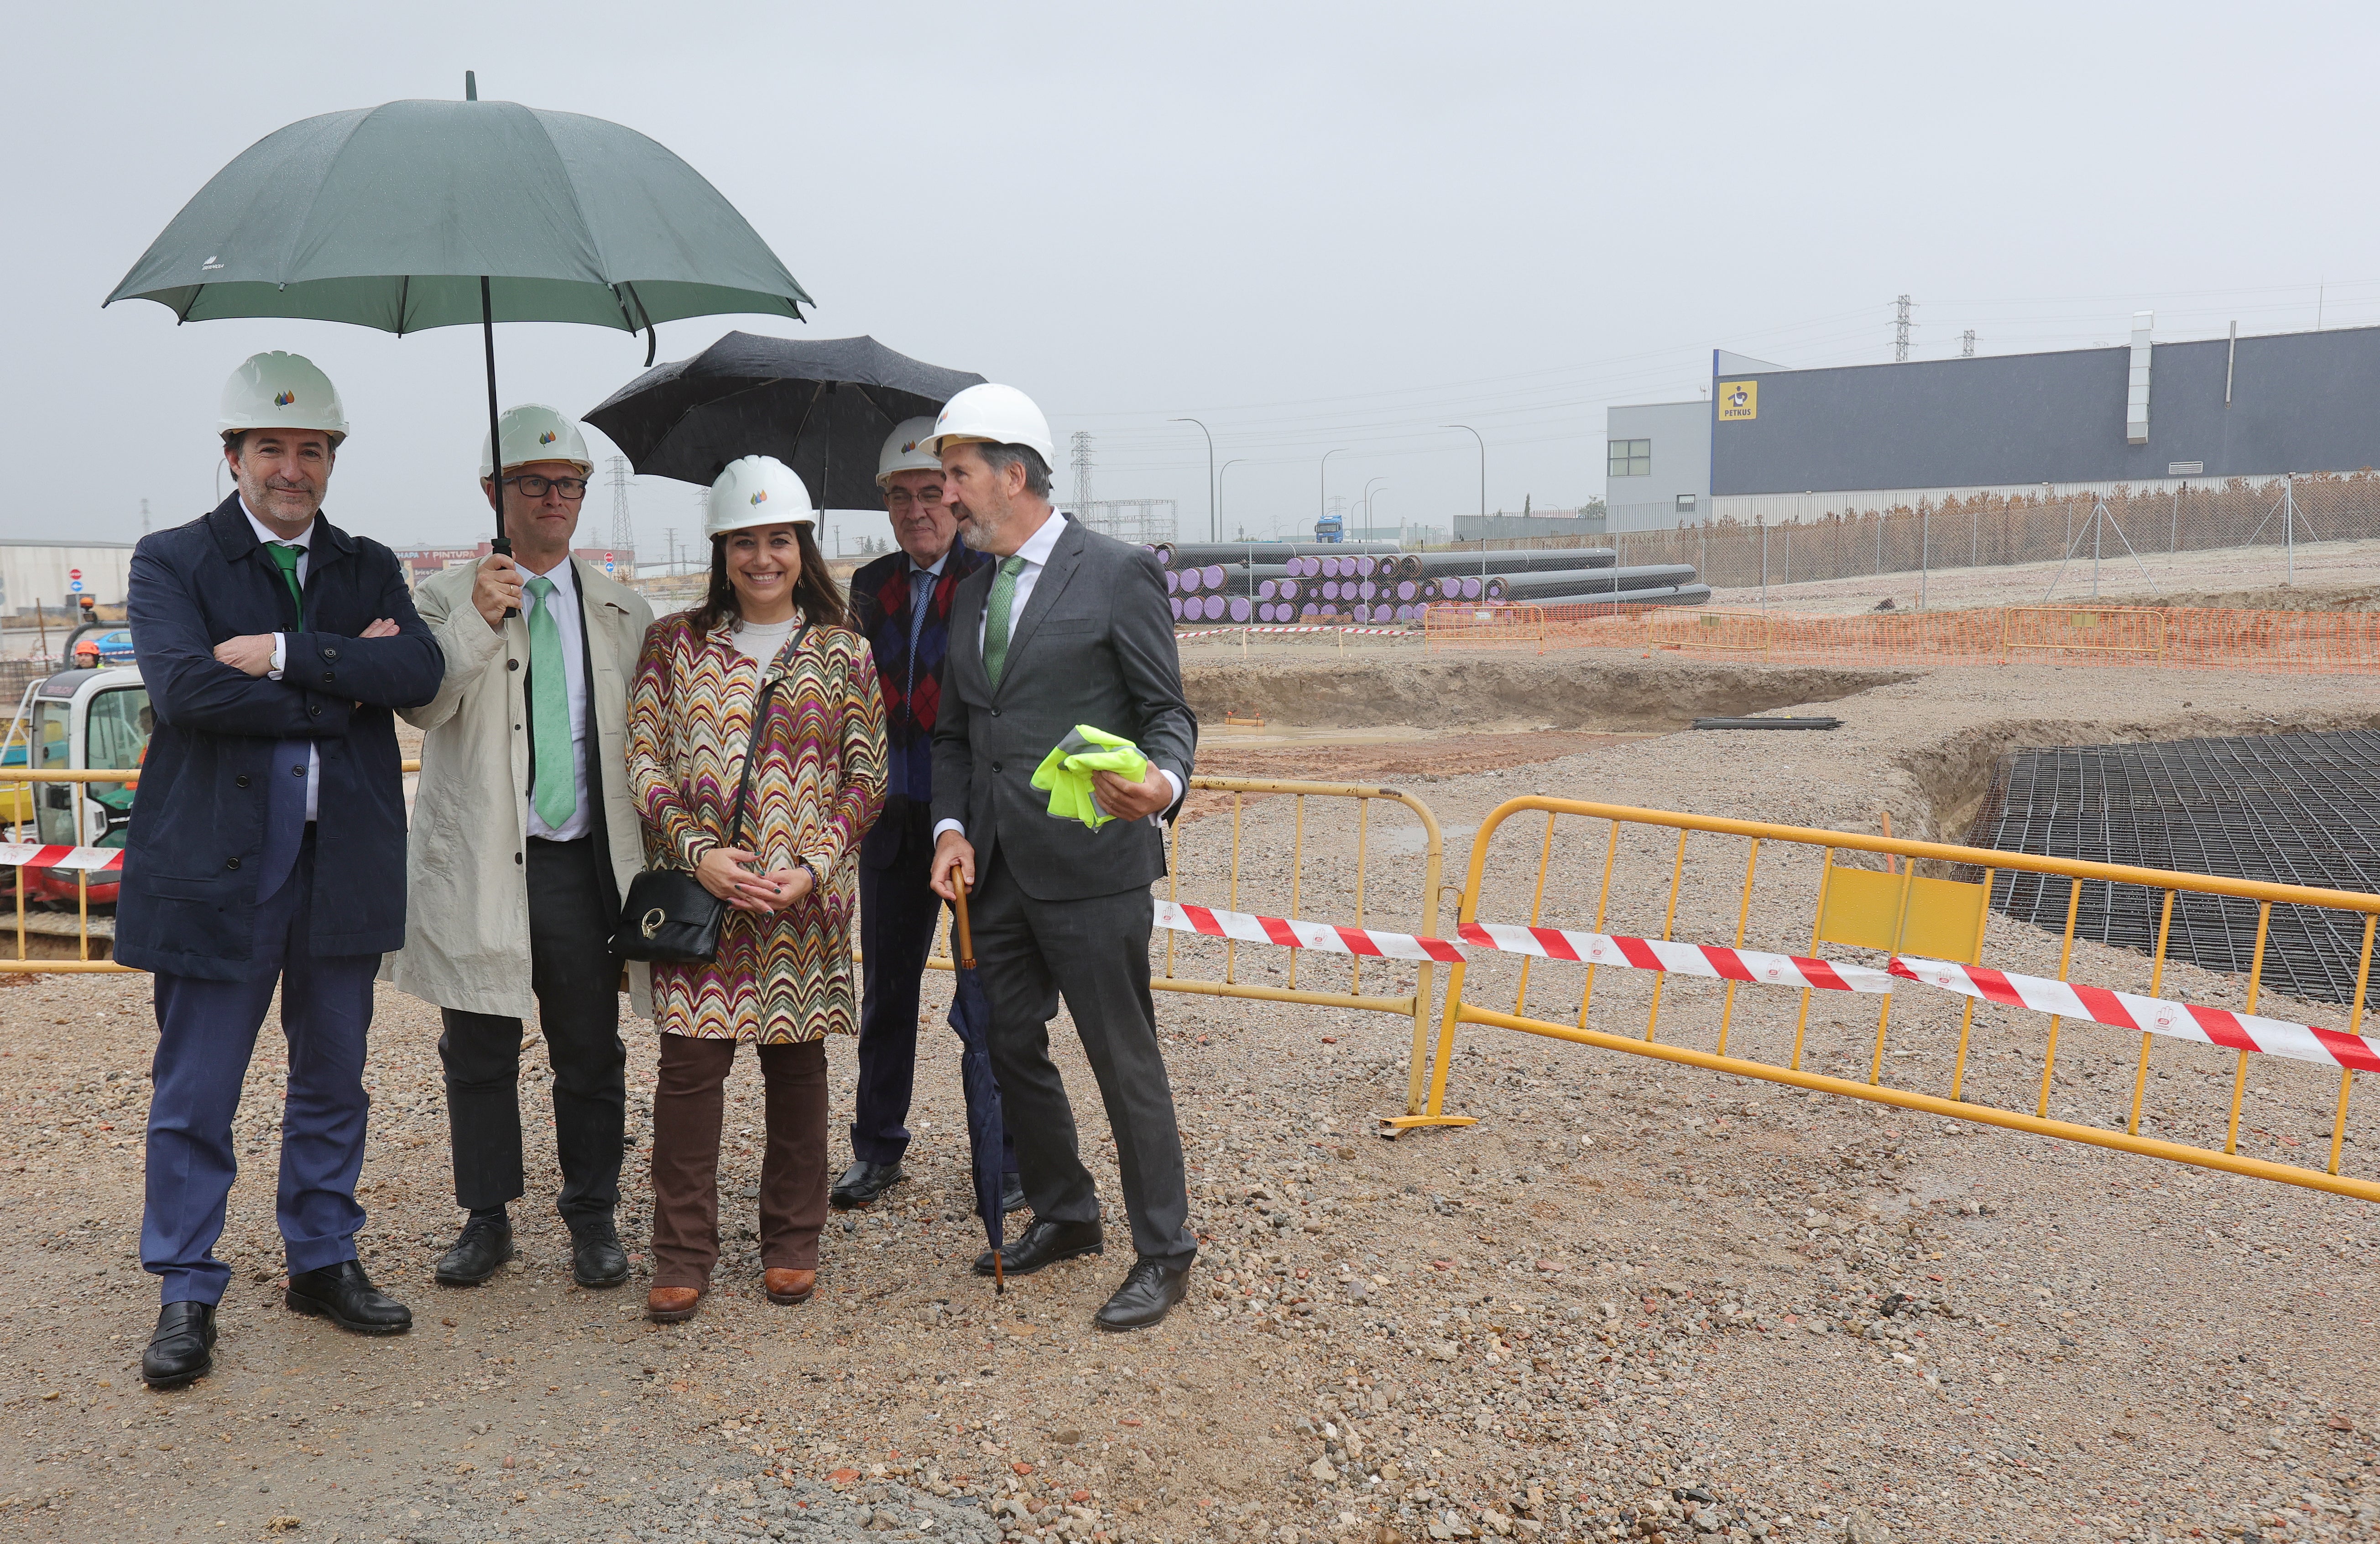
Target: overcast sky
[1313,226]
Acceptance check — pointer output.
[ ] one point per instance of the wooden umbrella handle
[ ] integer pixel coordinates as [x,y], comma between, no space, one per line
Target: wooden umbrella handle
[964,938]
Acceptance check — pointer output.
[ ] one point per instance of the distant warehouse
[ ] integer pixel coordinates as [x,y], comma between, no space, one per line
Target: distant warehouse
[54,574]
[1804,444]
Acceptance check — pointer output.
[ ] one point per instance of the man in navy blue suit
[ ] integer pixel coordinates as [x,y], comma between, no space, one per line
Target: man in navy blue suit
[275,647]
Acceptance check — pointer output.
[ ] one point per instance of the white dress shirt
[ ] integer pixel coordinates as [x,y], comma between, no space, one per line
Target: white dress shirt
[1035,552]
[304,542]
[571,619]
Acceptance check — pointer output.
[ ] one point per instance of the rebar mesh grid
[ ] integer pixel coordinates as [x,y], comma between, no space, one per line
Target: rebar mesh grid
[2287,809]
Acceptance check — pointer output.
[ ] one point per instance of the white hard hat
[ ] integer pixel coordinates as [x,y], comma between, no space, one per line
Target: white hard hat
[281,390]
[904,451]
[756,490]
[1001,414]
[534,431]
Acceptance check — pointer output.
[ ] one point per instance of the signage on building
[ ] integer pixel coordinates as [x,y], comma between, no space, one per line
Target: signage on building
[2185,469]
[1738,400]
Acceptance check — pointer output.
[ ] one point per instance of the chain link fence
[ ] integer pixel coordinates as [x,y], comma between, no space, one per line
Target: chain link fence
[1995,530]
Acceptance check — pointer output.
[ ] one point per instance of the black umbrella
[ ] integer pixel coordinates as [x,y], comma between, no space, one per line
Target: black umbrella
[822,408]
[986,1140]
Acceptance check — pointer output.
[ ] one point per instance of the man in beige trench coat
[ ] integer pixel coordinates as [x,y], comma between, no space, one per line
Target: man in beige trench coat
[522,842]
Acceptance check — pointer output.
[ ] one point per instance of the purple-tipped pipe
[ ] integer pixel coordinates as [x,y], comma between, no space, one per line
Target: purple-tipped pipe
[1365,566]
[1309,610]
[1211,576]
[1471,589]
[1176,603]
[1407,589]
[1241,608]
[1173,582]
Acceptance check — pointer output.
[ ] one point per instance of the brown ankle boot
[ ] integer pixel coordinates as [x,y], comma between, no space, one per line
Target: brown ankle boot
[669,1304]
[789,1287]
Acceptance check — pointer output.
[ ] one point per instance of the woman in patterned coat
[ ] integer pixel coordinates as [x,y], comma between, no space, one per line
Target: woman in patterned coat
[781,977]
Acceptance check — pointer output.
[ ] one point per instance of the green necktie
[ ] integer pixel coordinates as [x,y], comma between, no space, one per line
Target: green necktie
[556,793]
[285,557]
[995,616]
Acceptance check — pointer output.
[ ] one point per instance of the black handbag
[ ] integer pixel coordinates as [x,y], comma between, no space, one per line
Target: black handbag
[669,917]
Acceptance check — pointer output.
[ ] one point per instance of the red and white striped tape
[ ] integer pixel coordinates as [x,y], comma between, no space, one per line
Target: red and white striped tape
[1679,959]
[1290,933]
[40,857]
[1556,944]
[1272,627]
[2123,1010]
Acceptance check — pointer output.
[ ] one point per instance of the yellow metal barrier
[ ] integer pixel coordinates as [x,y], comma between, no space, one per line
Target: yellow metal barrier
[1414,1005]
[1787,870]
[2080,632]
[1483,623]
[1736,633]
[20,781]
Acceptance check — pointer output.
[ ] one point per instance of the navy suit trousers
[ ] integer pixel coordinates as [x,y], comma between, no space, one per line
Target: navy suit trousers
[206,1036]
[898,913]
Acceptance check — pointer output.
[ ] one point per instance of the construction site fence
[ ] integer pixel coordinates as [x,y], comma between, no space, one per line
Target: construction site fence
[57,930]
[1332,864]
[1996,529]
[2275,643]
[1714,977]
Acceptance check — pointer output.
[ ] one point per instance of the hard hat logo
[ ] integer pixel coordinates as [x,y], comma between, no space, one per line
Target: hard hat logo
[546,438]
[283,399]
[760,497]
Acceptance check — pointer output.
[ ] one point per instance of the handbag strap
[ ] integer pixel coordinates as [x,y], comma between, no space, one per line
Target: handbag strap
[752,743]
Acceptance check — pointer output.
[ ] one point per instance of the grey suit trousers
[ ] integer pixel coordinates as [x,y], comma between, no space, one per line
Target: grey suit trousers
[1095,954]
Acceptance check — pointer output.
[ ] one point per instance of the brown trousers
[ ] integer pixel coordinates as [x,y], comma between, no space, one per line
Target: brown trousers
[688,1104]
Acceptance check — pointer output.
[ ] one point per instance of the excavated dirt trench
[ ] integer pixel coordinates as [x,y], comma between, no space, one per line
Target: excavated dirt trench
[1510,693]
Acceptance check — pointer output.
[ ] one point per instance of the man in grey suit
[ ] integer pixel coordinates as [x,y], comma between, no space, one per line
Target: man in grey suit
[1067,627]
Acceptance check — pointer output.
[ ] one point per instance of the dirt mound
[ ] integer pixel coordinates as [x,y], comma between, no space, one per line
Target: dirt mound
[1510,692]
[2285,597]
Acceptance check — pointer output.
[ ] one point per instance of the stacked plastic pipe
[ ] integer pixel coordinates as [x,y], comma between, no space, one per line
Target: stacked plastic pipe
[1284,583]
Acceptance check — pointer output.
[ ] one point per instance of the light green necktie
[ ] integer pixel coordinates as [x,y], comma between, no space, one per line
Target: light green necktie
[995,616]
[556,793]
[285,556]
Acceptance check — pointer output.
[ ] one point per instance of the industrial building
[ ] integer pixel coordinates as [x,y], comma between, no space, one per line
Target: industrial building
[53,575]
[1659,468]
[1799,445]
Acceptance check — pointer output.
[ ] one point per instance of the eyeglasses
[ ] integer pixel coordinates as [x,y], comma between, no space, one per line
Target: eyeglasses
[572,487]
[900,497]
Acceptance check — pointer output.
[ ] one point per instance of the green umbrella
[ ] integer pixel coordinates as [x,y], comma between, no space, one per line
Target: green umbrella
[417,215]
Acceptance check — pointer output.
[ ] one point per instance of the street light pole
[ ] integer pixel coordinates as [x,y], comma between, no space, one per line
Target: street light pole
[1322,480]
[1218,479]
[1483,473]
[1367,498]
[1213,528]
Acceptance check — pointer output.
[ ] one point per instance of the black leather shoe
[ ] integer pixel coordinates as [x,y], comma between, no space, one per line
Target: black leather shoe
[182,1348]
[1150,1290]
[345,1295]
[479,1254]
[863,1183]
[1044,1243]
[596,1259]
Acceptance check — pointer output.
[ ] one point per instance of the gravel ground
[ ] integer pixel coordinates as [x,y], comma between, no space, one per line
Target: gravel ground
[1635,1301]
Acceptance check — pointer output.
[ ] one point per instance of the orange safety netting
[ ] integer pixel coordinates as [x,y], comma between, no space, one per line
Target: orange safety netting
[2335,643]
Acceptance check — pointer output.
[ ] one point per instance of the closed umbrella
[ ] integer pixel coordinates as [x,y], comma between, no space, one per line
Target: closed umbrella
[820,406]
[970,1014]
[419,215]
